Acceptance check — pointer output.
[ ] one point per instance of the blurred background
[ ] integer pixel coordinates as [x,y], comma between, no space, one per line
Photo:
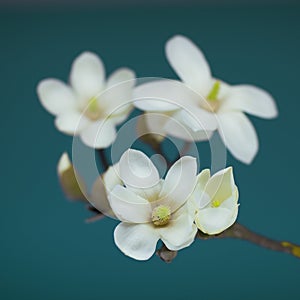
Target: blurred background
[47,251]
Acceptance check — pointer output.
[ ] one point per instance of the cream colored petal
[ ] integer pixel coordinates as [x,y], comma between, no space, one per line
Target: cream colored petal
[128,206]
[179,233]
[72,122]
[164,96]
[189,63]
[99,134]
[179,183]
[87,75]
[238,135]
[137,241]
[137,170]
[252,100]
[215,220]
[99,198]
[111,177]
[221,185]
[56,97]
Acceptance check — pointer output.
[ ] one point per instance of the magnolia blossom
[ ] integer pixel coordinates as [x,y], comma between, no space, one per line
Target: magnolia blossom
[151,208]
[102,186]
[90,106]
[200,97]
[215,201]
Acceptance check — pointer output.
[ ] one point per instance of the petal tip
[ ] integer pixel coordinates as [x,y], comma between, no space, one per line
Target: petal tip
[64,163]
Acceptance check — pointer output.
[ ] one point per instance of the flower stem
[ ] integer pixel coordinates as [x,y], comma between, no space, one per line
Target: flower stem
[103,159]
[238,231]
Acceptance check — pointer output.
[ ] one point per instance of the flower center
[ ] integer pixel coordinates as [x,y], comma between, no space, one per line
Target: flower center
[93,111]
[161,215]
[212,102]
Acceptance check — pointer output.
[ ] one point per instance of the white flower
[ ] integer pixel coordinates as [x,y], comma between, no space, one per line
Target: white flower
[151,208]
[201,96]
[102,186]
[91,106]
[215,200]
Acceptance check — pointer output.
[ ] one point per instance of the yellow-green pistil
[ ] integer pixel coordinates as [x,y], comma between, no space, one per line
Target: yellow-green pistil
[216,203]
[161,215]
[212,102]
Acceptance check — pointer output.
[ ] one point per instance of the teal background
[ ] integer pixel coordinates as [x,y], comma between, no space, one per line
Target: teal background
[47,251]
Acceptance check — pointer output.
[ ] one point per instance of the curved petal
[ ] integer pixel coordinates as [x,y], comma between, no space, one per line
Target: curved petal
[150,194]
[71,122]
[128,206]
[221,185]
[201,198]
[55,96]
[232,201]
[179,183]
[239,136]
[87,75]
[153,124]
[215,220]
[176,128]
[99,134]
[118,96]
[137,170]
[196,118]
[252,100]
[99,198]
[178,233]
[121,75]
[189,63]
[202,178]
[163,95]
[111,177]
[137,241]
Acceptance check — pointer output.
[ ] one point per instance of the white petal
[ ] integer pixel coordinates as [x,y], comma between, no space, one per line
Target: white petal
[232,201]
[189,63]
[99,134]
[120,76]
[179,183]
[178,233]
[163,95]
[111,177]
[150,194]
[137,170]
[155,123]
[201,198]
[252,100]
[87,75]
[215,220]
[71,122]
[56,96]
[176,128]
[196,118]
[239,136]
[99,198]
[221,185]
[136,240]
[203,178]
[117,98]
[128,206]
[64,163]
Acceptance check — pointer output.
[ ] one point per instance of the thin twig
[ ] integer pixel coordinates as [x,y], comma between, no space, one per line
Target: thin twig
[238,231]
